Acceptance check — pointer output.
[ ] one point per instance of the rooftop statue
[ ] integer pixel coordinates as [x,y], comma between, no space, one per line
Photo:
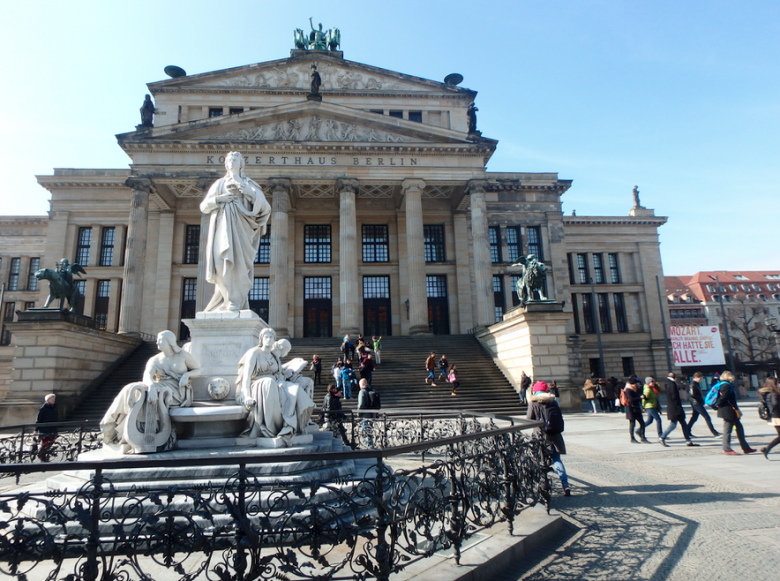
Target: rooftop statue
[532,279]
[316,82]
[238,217]
[147,112]
[635,193]
[61,285]
[472,118]
[317,39]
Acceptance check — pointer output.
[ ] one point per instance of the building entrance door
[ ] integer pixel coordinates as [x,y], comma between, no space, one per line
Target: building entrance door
[376,306]
[438,309]
[317,307]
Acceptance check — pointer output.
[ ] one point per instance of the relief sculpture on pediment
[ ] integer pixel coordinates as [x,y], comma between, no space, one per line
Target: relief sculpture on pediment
[312,128]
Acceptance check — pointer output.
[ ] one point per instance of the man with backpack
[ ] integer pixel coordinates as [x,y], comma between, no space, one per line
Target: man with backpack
[368,399]
[543,407]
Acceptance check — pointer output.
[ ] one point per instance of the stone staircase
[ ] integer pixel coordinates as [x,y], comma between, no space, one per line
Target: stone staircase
[400,379]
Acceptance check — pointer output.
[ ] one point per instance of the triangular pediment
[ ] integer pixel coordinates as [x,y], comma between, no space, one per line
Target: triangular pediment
[338,75]
[305,121]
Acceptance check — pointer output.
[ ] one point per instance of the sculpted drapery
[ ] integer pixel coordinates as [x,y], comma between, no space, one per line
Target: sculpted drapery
[239,213]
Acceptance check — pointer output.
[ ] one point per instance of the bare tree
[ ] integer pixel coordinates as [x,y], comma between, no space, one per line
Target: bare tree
[750,338]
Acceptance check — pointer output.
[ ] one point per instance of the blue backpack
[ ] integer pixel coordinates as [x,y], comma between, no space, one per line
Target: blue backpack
[711,399]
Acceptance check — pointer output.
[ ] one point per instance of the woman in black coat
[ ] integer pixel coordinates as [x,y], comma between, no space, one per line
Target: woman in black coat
[772,399]
[634,411]
[729,412]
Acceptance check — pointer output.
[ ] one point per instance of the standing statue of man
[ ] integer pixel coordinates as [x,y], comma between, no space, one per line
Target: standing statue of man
[635,192]
[147,112]
[472,115]
[239,213]
[317,38]
[316,81]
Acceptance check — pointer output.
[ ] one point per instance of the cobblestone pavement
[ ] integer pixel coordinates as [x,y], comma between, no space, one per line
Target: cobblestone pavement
[648,512]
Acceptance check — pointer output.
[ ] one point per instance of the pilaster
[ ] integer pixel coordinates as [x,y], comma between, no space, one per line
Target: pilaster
[463,272]
[162,295]
[483,274]
[348,256]
[278,280]
[415,256]
[135,256]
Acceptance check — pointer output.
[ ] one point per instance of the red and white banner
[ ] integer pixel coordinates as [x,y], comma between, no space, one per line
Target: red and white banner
[694,345]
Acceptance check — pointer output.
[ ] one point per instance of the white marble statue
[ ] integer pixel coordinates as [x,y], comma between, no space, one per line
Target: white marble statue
[138,419]
[278,407]
[292,370]
[239,213]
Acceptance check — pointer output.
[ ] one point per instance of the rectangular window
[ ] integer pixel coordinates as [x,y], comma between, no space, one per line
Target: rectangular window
[101,303]
[29,305]
[215,111]
[316,287]
[236,110]
[595,366]
[513,280]
[535,242]
[376,287]
[582,269]
[191,244]
[570,262]
[107,247]
[614,268]
[575,312]
[82,247]
[498,298]
[434,242]
[376,243]
[587,313]
[513,243]
[263,255]
[316,243]
[377,111]
[436,286]
[628,366]
[32,282]
[620,313]
[604,321]
[259,297]
[396,114]
[8,316]
[81,286]
[415,116]
[189,294]
[13,274]
[494,235]
[598,269]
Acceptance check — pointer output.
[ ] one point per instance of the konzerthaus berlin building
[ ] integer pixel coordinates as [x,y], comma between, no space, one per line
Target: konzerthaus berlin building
[384,219]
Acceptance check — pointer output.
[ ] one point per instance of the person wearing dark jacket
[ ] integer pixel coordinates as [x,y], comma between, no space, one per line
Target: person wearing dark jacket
[772,399]
[525,383]
[364,403]
[367,368]
[539,399]
[634,411]
[674,411]
[729,412]
[331,410]
[697,405]
[47,414]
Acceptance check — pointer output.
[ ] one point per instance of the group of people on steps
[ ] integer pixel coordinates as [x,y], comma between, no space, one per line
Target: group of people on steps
[447,371]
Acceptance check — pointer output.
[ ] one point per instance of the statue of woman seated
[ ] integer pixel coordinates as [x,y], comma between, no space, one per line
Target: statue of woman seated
[279,407]
[138,420]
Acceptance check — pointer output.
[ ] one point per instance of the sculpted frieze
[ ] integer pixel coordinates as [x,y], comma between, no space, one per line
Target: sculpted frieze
[313,128]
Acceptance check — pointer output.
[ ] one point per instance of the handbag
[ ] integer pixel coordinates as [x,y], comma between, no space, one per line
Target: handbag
[737,412]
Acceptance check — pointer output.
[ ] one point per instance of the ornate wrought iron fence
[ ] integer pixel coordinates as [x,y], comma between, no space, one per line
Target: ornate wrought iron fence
[368,525]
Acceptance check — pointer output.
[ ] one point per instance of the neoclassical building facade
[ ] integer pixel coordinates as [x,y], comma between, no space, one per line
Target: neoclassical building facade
[384,218]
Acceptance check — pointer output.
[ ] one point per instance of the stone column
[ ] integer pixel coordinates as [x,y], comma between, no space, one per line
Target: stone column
[162,294]
[204,290]
[278,280]
[415,257]
[483,273]
[135,256]
[348,255]
[463,272]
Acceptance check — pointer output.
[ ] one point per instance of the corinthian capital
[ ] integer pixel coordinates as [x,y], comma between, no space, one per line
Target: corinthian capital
[347,184]
[136,183]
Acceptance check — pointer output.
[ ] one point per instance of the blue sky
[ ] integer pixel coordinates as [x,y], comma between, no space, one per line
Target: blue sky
[680,98]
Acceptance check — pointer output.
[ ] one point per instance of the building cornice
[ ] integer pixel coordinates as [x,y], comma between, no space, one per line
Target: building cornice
[614,220]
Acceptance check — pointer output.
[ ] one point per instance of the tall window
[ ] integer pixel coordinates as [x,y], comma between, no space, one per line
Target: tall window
[8,316]
[434,242]
[604,321]
[513,243]
[415,116]
[191,244]
[82,247]
[513,280]
[259,297]
[189,294]
[620,313]
[575,312]
[263,255]
[316,287]
[436,286]
[13,274]
[29,305]
[107,247]
[81,286]
[376,287]
[494,235]
[535,242]
[101,303]
[498,298]
[598,269]
[582,269]
[32,282]
[628,366]
[316,243]
[587,313]
[376,243]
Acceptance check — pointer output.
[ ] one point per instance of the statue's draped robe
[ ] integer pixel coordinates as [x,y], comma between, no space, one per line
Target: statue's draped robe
[234,234]
[282,408]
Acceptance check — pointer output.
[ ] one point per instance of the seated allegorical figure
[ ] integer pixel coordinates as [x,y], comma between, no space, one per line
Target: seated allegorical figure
[138,419]
[279,407]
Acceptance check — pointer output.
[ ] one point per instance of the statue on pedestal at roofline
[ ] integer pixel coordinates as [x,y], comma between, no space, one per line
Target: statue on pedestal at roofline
[317,39]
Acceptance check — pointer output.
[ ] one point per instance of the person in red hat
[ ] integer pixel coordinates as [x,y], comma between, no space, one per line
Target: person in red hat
[543,407]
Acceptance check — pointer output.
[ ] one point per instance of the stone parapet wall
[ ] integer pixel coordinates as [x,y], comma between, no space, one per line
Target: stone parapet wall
[56,356]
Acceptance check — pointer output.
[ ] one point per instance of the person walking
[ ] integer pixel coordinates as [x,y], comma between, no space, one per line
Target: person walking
[430,366]
[652,408]
[634,411]
[47,414]
[367,368]
[444,367]
[590,393]
[525,384]
[674,411]
[772,398]
[453,379]
[368,399]
[377,344]
[601,394]
[335,371]
[541,402]
[728,411]
[316,366]
[697,405]
[348,379]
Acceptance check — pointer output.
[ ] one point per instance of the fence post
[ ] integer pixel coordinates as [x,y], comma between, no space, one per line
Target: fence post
[239,560]
[383,551]
[20,453]
[90,570]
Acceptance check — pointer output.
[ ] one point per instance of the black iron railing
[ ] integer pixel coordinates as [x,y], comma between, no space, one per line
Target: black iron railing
[373,521]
